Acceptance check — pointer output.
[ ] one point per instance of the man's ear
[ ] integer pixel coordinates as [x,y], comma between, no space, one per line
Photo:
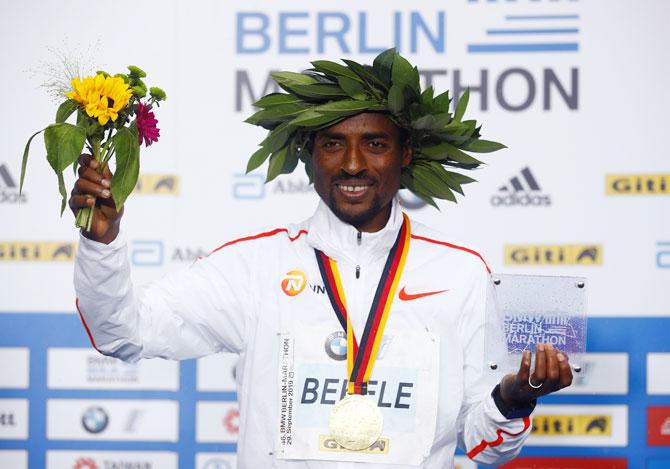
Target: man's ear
[407,154]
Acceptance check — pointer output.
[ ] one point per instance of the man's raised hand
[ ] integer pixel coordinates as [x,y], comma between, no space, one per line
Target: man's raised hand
[552,372]
[93,188]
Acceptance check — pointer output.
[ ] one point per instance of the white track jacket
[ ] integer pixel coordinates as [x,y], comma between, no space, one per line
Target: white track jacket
[262,297]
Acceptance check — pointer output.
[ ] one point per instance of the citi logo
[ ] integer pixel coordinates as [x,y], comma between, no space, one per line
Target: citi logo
[522,190]
[9,193]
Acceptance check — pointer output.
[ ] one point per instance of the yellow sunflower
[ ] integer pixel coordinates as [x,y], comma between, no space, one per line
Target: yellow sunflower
[102,97]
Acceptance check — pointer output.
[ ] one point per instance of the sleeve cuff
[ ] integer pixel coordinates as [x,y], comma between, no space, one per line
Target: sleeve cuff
[91,248]
[510,412]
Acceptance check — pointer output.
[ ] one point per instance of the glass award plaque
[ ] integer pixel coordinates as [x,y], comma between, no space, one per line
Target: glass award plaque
[526,310]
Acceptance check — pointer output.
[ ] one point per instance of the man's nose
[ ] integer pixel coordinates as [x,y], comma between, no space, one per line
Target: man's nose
[354,161]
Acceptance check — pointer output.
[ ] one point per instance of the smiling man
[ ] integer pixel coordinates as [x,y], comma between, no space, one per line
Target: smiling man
[380,363]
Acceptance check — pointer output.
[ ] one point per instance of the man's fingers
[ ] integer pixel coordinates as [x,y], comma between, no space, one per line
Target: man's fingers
[83,186]
[552,372]
[524,369]
[92,175]
[565,370]
[78,201]
[540,373]
[88,160]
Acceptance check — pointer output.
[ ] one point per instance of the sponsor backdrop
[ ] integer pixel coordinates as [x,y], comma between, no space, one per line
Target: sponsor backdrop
[573,87]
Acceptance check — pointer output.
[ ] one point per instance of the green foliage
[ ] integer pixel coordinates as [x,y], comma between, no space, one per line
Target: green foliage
[157,94]
[65,110]
[136,71]
[127,165]
[65,142]
[330,92]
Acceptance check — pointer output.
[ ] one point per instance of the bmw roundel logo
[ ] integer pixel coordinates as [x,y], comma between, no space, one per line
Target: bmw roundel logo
[95,419]
[336,345]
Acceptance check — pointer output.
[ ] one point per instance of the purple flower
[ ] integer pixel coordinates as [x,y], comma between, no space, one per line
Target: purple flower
[146,125]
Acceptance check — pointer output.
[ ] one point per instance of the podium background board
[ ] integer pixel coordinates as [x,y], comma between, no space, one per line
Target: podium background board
[574,88]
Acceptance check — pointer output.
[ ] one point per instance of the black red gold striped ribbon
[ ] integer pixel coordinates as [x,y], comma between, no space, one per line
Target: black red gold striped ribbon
[359,365]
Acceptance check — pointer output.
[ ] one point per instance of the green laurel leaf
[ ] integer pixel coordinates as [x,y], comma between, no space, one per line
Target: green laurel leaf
[277,137]
[462,105]
[483,146]
[334,69]
[258,158]
[272,117]
[442,102]
[408,180]
[396,99]
[369,77]
[277,161]
[353,88]
[293,78]
[275,99]
[345,107]
[383,64]
[313,118]
[319,91]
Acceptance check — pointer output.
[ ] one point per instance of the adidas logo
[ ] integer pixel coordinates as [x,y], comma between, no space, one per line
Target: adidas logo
[522,190]
[9,189]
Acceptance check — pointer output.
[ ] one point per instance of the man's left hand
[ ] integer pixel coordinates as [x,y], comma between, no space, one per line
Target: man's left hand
[552,372]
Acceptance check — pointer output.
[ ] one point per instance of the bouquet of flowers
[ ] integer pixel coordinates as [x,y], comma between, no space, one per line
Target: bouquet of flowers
[113,118]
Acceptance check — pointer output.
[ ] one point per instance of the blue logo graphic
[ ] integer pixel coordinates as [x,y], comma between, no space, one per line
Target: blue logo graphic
[543,32]
[336,346]
[248,186]
[523,332]
[663,255]
[95,420]
[146,253]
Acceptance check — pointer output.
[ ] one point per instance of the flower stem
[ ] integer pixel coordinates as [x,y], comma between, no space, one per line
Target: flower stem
[84,217]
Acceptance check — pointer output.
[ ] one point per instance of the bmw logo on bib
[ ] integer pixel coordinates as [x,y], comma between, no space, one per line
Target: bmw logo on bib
[336,345]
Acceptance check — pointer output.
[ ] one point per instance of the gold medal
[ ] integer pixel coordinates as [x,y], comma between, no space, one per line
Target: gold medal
[355,422]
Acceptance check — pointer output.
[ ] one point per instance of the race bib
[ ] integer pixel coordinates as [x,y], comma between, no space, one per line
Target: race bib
[313,377]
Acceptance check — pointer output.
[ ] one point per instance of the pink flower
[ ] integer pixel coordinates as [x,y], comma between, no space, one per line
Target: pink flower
[146,125]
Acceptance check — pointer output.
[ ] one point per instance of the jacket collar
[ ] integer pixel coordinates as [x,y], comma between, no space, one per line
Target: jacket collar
[340,241]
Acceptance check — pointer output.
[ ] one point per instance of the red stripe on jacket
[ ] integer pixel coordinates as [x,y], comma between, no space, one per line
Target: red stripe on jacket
[261,235]
[499,432]
[83,321]
[454,246]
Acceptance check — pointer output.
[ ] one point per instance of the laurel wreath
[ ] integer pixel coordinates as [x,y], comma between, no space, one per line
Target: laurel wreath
[331,92]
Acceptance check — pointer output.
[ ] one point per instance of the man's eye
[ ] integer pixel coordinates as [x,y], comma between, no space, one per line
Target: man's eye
[331,144]
[377,144]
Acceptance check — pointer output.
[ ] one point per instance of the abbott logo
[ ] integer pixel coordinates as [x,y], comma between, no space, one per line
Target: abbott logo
[248,186]
[522,190]
[146,253]
[294,282]
[588,254]
[638,184]
[9,191]
[663,255]
[158,184]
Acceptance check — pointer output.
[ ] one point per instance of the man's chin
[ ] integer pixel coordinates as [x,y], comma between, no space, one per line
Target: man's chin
[356,214]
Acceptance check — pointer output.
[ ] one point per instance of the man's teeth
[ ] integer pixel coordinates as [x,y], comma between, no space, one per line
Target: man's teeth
[353,188]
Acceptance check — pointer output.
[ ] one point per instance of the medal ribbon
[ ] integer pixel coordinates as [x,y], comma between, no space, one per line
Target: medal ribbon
[361,357]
